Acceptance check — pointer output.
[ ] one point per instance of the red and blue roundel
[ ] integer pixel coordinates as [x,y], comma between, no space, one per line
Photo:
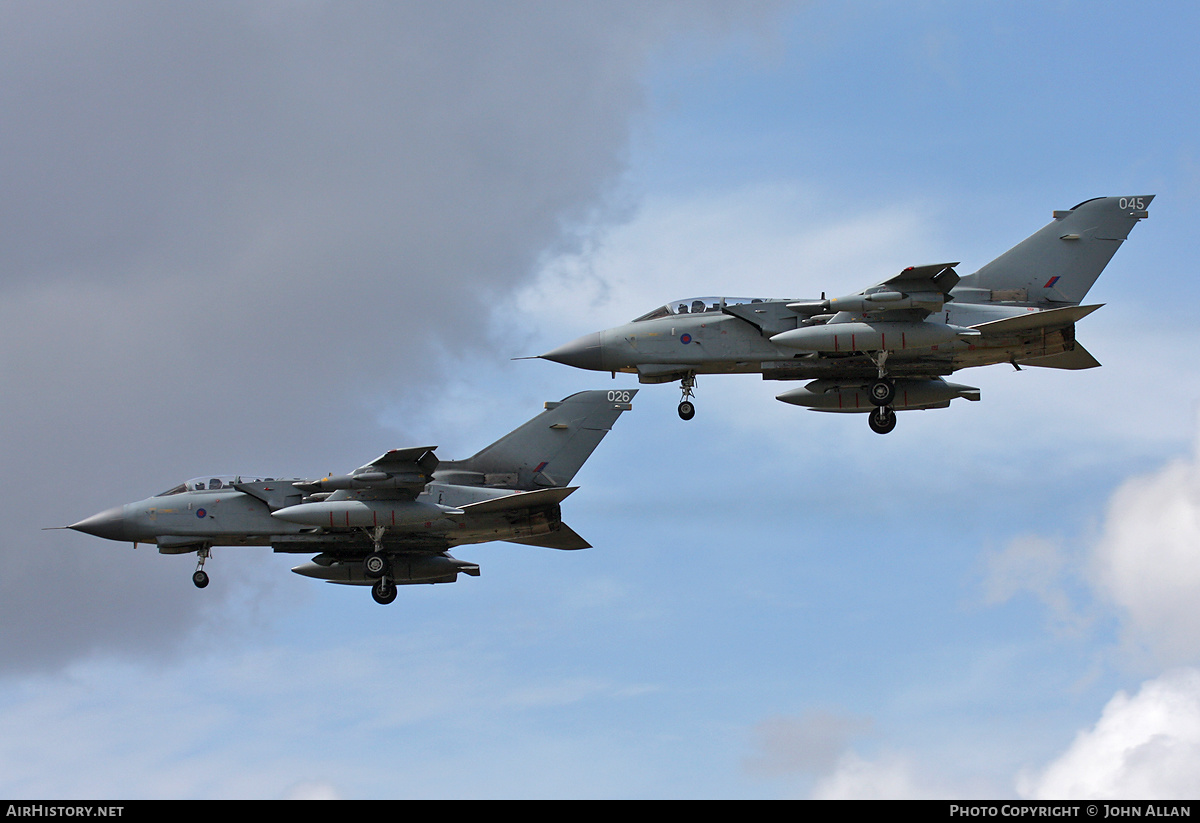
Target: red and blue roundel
[685,339]
[201,513]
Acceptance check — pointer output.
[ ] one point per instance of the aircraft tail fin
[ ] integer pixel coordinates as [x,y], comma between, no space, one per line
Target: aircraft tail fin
[1058,264]
[548,450]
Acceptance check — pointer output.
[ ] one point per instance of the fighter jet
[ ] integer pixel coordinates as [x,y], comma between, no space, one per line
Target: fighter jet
[392,521]
[887,348]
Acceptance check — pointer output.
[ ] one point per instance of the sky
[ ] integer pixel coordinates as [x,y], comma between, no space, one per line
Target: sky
[281,238]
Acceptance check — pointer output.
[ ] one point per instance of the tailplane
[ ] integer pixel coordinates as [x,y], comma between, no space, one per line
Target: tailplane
[1058,264]
[549,450]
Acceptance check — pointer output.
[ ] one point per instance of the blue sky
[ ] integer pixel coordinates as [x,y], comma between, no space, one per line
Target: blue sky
[260,238]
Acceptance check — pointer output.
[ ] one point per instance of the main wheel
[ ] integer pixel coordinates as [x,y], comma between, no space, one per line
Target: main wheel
[883,392]
[384,591]
[882,420]
[200,578]
[374,565]
[687,410]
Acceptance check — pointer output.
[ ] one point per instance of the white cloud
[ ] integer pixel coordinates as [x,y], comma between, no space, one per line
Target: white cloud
[1147,560]
[891,777]
[1145,746]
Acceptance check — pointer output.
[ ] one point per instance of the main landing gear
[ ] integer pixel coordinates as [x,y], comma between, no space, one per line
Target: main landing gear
[375,567]
[687,409]
[200,577]
[882,393]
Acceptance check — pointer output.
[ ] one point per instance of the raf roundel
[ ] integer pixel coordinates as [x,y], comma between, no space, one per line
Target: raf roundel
[201,513]
[685,339]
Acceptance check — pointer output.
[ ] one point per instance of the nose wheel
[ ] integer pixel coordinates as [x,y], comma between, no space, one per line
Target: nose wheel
[687,409]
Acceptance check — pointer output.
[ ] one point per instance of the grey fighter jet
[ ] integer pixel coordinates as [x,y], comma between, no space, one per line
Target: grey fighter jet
[392,521]
[886,348]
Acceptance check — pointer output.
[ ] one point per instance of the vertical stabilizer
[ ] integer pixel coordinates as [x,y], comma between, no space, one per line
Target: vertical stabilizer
[1057,265]
[549,449]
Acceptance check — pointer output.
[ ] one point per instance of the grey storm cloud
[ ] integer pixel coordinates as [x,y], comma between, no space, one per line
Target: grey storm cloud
[225,224]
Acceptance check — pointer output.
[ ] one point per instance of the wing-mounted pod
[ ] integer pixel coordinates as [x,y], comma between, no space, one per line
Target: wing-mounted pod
[842,396]
[405,569]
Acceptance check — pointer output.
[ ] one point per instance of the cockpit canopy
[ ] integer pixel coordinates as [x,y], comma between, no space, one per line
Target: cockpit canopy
[199,484]
[696,305]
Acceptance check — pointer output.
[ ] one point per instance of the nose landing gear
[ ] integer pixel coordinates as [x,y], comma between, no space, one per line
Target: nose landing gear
[687,409]
[200,577]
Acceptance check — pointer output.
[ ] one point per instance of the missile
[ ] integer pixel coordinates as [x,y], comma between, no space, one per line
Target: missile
[878,336]
[829,395]
[340,514]
[365,480]
[873,302]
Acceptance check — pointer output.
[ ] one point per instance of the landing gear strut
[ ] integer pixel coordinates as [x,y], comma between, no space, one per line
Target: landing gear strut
[687,409]
[375,564]
[200,577]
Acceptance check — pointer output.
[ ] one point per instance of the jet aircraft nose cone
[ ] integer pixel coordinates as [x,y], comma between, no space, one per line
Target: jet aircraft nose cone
[109,524]
[585,353]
